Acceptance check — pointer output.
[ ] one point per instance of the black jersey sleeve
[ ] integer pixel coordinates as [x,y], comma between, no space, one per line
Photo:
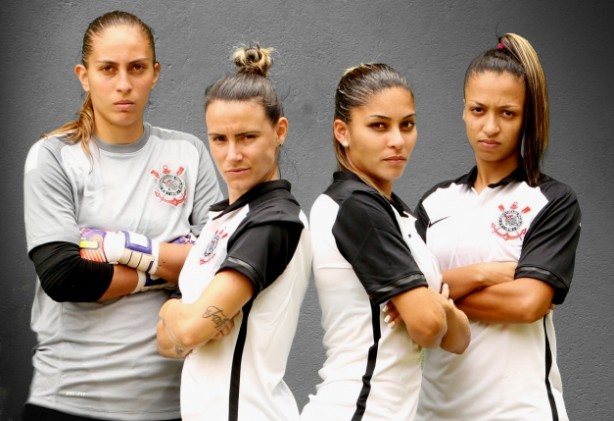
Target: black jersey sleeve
[549,247]
[368,237]
[65,276]
[261,251]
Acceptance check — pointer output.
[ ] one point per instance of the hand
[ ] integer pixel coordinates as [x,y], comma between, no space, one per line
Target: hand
[225,330]
[393,317]
[147,282]
[189,238]
[447,303]
[123,247]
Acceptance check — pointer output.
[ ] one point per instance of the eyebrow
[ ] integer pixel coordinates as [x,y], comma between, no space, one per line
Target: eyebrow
[478,103]
[236,135]
[389,118]
[114,62]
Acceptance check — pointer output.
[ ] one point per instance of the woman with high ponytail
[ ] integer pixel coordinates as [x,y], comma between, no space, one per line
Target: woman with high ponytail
[505,235]
[244,280]
[90,186]
[366,252]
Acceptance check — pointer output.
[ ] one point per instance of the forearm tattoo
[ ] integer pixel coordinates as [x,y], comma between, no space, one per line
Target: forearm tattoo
[217,316]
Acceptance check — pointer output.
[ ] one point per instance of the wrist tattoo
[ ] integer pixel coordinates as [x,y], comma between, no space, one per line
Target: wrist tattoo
[216,315]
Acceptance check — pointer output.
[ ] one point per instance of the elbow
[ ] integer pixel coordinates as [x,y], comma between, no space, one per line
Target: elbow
[428,332]
[530,310]
[183,337]
[165,346]
[54,292]
[188,335]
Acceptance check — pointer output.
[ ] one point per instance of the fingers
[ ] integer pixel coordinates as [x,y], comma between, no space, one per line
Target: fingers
[445,291]
[393,317]
[225,330]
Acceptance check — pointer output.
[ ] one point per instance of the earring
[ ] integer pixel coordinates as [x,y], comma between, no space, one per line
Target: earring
[345,144]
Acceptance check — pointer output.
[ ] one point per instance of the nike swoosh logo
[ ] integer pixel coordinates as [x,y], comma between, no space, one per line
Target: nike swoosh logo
[439,220]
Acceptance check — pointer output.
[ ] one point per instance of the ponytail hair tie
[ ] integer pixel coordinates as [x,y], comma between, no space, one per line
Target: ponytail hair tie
[501,46]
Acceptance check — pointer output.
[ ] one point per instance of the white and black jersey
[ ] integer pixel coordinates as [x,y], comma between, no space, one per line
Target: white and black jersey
[509,371]
[99,359]
[263,235]
[366,251]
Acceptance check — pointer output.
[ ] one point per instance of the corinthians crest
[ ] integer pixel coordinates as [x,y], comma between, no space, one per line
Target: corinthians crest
[209,252]
[509,222]
[170,187]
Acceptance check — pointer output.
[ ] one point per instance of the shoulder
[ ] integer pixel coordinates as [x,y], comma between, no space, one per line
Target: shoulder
[275,204]
[446,188]
[165,134]
[553,189]
[46,149]
[348,190]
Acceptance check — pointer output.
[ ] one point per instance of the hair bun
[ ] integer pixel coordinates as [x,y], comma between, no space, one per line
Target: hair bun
[254,60]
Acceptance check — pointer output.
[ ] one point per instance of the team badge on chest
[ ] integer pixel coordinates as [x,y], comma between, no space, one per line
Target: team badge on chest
[209,253]
[170,187]
[509,225]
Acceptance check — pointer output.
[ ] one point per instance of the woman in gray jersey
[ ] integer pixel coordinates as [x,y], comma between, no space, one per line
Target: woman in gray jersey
[105,197]
[505,235]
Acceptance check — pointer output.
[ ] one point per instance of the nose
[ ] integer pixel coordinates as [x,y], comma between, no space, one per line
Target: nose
[491,125]
[396,139]
[123,82]
[234,151]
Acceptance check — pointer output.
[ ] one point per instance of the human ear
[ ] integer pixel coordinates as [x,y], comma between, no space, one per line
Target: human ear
[281,129]
[341,132]
[156,73]
[81,73]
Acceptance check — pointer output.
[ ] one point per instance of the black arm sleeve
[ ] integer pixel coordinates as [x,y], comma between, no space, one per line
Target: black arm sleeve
[65,276]
[261,252]
[369,238]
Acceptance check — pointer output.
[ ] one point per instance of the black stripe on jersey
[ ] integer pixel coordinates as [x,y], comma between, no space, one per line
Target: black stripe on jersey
[392,289]
[555,413]
[361,403]
[253,276]
[237,358]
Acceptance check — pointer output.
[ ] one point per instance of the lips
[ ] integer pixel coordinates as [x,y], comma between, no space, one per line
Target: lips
[396,158]
[236,171]
[488,143]
[124,104]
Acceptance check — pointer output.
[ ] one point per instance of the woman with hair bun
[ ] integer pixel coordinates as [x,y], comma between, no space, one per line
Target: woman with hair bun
[505,235]
[244,280]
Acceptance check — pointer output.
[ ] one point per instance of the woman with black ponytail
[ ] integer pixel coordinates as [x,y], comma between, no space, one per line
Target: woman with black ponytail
[505,236]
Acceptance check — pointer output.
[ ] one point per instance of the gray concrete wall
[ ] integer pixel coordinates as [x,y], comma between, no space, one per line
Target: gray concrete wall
[429,41]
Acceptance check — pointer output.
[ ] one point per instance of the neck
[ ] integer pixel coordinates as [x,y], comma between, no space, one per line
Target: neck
[116,135]
[493,172]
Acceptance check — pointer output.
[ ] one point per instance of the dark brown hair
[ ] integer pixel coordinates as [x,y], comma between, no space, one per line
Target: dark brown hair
[249,83]
[356,87]
[516,56]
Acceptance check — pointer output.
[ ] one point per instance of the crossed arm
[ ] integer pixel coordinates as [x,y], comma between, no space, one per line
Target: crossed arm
[183,327]
[432,320]
[488,292]
[170,262]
